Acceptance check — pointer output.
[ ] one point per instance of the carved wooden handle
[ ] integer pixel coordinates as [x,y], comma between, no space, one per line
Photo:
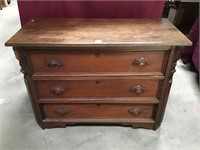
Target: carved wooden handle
[138,89]
[53,63]
[62,111]
[140,62]
[58,90]
[134,111]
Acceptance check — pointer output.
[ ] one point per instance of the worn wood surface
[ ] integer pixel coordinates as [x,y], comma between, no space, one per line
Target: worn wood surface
[97,62]
[102,100]
[98,88]
[95,111]
[135,123]
[98,32]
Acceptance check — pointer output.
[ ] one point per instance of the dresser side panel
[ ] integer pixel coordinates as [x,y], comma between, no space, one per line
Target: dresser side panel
[26,70]
[175,54]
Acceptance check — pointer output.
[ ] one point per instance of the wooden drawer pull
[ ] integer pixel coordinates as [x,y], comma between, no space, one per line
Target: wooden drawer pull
[140,62]
[134,111]
[138,89]
[62,111]
[53,63]
[58,90]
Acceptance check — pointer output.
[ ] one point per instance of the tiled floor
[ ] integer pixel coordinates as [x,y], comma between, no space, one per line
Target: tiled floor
[180,129]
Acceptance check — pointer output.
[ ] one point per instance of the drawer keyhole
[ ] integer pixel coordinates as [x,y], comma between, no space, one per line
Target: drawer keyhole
[97,82]
[98,104]
[97,54]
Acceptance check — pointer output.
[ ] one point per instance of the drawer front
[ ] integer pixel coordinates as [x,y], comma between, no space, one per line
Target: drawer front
[89,111]
[91,62]
[98,88]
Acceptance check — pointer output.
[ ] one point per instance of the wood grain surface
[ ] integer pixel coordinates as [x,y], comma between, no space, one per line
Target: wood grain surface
[95,111]
[97,62]
[98,32]
[97,88]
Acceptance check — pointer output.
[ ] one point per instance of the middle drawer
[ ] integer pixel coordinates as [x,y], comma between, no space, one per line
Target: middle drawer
[98,88]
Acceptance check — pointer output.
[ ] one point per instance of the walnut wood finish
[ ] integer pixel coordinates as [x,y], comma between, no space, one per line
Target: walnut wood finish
[102,100]
[97,62]
[97,111]
[123,79]
[112,32]
[175,54]
[98,88]
[135,123]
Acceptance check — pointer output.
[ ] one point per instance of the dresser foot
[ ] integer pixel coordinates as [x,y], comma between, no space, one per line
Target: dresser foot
[156,126]
[53,125]
[143,125]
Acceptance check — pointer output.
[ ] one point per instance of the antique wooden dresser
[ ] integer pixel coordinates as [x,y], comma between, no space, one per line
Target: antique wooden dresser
[107,71]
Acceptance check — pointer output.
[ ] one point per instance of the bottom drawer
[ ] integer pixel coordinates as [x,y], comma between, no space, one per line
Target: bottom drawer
[97,111]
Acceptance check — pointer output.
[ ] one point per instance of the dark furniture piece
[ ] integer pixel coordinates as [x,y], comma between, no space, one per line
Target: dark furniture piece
[191,54]
[116,71]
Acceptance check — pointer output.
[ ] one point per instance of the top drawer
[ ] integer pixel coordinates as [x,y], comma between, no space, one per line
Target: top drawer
[98,62]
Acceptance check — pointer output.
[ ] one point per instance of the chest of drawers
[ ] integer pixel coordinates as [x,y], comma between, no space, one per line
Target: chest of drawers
[106,71]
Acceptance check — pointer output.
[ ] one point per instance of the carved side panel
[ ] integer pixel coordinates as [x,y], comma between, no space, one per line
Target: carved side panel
[175,54]
[22,62]
[25,69]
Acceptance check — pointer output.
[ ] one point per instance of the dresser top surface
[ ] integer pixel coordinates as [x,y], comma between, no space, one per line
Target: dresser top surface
[98,32]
